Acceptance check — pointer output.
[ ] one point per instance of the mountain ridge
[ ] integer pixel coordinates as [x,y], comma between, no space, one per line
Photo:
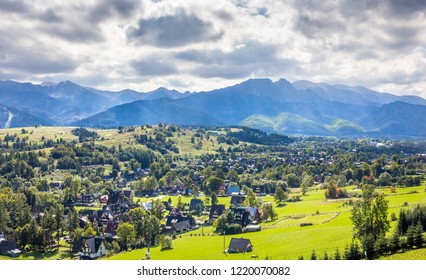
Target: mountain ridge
[301,107]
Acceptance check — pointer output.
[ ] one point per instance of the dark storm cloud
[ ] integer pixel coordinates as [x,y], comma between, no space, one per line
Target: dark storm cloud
[13,6]
[107,8]
[153,66]
[252,58]
[173,31]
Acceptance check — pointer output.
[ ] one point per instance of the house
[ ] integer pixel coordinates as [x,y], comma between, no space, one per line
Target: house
[181,227]
[91,248]
[174,219]
[115,197]
[232,190]
[103,199]
[8,248]
[128,194]
[241,216]
[86,200]
[194,204]
[111,229]
[216,211]
[237,200]
[240,245]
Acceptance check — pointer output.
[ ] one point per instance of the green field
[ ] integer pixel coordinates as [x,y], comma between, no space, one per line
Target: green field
[283,238]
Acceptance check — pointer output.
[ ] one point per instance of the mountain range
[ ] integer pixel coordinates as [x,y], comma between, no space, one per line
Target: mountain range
[302,107]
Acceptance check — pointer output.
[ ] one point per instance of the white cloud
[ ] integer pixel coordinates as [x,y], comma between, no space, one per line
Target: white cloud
[200,45]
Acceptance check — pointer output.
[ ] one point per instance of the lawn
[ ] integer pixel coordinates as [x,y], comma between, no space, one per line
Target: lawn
[282,238]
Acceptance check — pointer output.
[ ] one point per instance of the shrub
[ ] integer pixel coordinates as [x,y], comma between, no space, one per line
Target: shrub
[166,242]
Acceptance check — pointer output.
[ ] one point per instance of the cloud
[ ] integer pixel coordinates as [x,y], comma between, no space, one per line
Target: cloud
[153,66]
[252,58]
[172,31]
[13,6]
[50,16]
[33,60]
[107,8]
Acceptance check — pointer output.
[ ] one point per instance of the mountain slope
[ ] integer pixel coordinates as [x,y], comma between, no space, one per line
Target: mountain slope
[148,112]
[12,117]
[399,119]
[301,107]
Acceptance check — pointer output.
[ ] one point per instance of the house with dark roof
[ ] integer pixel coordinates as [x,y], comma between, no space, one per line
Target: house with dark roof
[85,200]
[240,245]
[238,200]
[194,203]
[91,248]
[181,227]
[216,211]
[9,248]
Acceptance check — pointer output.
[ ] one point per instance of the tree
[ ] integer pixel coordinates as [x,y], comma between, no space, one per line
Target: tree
[268,212]
[251,198]
[4,218]
[149,183]
[214,199]
[88,230]
[137,217]
[337,254]
[74,222]
[279,195]
[152,230]
[214,183]
[180,203]
[76,188]
[307,181]
[292,180]
[370,218]
[166,242]
[314,255]
[126,234]
[59,221]
[157,208]
[418,235]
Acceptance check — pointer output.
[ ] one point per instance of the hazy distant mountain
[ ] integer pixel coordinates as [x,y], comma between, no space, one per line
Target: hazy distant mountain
[148,112]
[12,117]
[355,95]
[301,107]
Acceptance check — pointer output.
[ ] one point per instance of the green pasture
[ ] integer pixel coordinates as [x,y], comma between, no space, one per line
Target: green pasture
[282,238]
[419,254]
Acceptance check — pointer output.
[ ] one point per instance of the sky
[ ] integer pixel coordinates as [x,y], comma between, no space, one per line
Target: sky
[201,45]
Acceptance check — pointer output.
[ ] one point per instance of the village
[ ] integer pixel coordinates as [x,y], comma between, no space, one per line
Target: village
[100,197]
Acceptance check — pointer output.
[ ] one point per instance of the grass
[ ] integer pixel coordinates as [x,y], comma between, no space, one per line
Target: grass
[283,238]
[419,254]
[62,252]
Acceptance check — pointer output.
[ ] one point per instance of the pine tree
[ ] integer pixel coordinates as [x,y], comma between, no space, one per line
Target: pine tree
[337,254]
[418,235]
[314,255]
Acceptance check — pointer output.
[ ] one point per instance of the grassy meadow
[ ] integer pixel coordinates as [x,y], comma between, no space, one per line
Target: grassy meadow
[284,238]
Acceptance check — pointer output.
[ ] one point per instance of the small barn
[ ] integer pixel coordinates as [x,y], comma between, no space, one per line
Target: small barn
[240,245]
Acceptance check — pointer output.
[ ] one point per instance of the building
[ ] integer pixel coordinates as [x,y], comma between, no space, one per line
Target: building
[91,248]
[240,245]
